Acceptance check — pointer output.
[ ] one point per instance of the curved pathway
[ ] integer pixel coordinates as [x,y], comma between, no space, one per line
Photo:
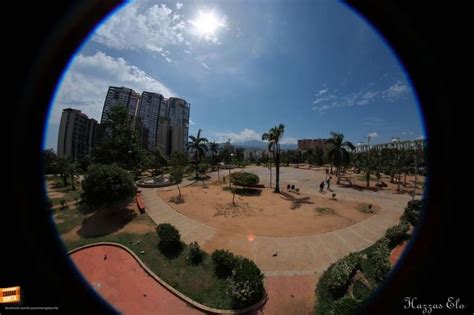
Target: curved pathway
[123,283]
[302,255]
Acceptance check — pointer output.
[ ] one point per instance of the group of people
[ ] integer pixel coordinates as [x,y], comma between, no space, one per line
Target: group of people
[326,182]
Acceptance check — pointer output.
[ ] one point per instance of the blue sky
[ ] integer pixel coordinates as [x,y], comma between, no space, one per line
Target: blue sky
[315,66]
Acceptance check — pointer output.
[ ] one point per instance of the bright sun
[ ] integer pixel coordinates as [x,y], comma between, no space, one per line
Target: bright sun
[207,23]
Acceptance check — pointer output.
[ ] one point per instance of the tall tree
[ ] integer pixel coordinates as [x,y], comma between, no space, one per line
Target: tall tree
[197,145]
[119,143]
[273,137]
[338,151]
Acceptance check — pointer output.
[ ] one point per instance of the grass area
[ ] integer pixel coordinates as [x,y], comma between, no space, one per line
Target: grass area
[197,282]
[325,210]
[67,219]
[70,195]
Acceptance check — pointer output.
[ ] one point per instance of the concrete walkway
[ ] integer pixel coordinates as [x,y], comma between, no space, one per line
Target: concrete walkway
[295,255]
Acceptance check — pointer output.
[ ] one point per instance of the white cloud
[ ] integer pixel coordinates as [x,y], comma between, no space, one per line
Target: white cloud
[205,65]
[179,5]
[394,91]
[321,92]
[192,122]
[244,135]
[358,98]
[420,137]
[373,135]
[288,140]
[138,28]
[324,99]
[86,83]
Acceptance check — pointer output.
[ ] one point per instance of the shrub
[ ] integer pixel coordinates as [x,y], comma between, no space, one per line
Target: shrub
[170,239]
[412,212]
[107,185]
[195,253]
[340,274]
[379,257]
[244,179]
[246,284]
[397,234]
[62,202]
[346,306]
[224,262]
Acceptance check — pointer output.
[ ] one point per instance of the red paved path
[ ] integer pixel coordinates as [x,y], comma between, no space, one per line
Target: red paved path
[124,283]
[396,253]
[289,295]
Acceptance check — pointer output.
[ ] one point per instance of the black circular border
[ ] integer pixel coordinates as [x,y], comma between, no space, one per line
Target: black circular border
[36,259]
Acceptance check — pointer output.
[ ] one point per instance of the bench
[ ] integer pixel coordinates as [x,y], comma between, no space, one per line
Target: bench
[140,205]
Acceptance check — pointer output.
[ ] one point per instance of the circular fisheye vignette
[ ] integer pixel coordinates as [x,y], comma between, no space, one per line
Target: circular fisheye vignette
[119,6]
[408,245]
[373,28]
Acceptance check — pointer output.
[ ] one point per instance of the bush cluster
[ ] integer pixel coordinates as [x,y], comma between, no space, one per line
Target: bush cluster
[170,239]
[106,185]
[340,274]
[397,234]
[244,278]
[224,262]
[244,179]
[195,253]
[380,260]
[412,212]
[245,284]
[346,306]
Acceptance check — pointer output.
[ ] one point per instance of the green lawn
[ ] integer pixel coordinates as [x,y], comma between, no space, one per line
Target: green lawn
[197,282]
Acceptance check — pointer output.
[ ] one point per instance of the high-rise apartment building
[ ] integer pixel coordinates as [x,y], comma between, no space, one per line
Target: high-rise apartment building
[77,134]
[120,96]
[178,115]
[151,107]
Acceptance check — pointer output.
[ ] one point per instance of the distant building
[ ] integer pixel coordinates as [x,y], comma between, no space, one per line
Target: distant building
[396,143]
[311,144]
[77,135]
[120,96]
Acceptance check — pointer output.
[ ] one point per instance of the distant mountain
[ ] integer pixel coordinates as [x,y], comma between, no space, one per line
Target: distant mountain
[256,144]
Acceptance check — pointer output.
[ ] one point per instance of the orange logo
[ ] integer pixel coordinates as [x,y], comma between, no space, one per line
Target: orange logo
[10,295]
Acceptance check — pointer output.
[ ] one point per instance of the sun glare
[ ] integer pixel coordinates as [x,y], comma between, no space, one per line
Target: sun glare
[207,23]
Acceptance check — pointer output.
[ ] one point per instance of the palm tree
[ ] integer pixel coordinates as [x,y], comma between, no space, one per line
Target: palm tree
[273,137]
[338,151]
[199,147]
[213,147]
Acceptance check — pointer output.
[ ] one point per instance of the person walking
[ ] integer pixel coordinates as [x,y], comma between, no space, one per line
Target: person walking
[321,187]
[328,183]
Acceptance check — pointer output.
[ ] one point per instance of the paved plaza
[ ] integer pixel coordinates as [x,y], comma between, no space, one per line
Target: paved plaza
[278,256]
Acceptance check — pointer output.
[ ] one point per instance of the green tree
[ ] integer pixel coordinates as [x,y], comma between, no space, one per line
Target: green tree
[119,143]
[159,161]
[50,161]
[65,166]
[338,151]
[242,179]
[176,175]
[273,137]
[197,145]
[106,185]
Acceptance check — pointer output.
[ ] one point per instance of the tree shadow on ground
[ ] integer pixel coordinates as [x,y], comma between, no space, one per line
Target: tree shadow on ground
[248,191]
[296,202]
[106,221]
